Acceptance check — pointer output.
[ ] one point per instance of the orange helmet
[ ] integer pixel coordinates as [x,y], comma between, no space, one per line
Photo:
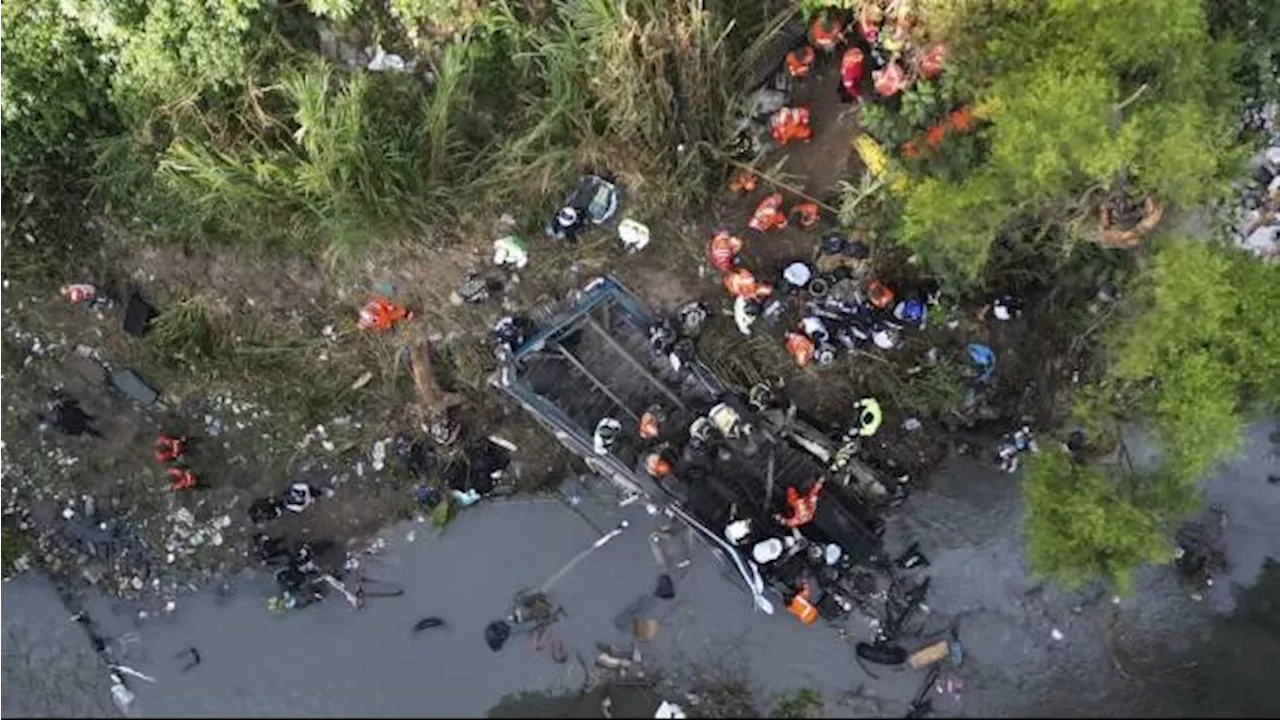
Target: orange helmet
[650,428]
[800,61]
[825,32]
[879,295]
[800,347]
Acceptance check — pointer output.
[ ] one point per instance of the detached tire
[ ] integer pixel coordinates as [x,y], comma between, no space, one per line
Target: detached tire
[882,654]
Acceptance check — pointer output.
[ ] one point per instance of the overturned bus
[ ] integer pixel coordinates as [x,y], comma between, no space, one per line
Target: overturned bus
[590,358]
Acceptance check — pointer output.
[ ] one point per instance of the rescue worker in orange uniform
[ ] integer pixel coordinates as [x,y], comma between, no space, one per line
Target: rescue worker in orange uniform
[879,295]
[768,214]
[657,466]
[890,80]
[723,250]
[790,123]
[800,347]
[381,314]
[826,32]
[803,507]
[169,448]
[807,213]
[802,606]
[741,283]
[182,479]
[800,62]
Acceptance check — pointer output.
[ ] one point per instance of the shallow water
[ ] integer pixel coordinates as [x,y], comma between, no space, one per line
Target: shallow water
[1175,656]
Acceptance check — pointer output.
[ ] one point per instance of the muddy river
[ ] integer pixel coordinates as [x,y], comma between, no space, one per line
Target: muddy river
[1157,653]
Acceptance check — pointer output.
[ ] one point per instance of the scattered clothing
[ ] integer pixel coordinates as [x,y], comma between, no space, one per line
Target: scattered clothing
[299,497]
[510,251]
[194,654]
[71,419]
[137,315]
[496,634]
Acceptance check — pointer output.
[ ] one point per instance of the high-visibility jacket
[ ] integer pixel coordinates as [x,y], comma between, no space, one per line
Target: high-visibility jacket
[800,347]
[722,251]
[768,214]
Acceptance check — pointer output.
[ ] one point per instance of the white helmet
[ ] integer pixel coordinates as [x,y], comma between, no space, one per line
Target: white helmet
[567,217]
[766,551]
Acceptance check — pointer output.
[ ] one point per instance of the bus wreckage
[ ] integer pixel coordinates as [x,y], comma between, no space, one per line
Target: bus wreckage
[788,509]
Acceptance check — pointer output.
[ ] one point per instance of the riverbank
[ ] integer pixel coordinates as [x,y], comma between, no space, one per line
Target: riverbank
[1158,653]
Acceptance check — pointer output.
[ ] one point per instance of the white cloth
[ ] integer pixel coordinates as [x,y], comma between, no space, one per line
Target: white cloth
[634,235]
[798,274]
[737,531]
[766,551]
[510,250]
[884,339]
[814,328]
[1001,311]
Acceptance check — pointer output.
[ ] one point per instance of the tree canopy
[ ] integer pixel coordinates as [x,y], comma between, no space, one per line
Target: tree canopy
[1076,92]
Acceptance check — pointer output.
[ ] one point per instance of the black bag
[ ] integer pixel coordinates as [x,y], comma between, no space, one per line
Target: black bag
[882,653]
[496,634]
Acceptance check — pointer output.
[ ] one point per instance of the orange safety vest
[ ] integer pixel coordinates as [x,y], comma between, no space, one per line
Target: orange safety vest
[381,314]
[802,607]
[808,213]
[723,250]
[800,347]
[803,507]
[879,295]
[741,283]
[789,124]
[768,214]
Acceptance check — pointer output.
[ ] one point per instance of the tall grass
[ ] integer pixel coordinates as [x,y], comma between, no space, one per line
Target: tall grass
[327,159]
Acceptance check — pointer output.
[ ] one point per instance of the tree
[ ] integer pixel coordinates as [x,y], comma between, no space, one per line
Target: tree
[1081,527]
[1203,345]
[1075,94]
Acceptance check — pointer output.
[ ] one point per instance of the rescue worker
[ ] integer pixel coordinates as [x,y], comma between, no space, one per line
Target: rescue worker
[692,316]
[800,62]
[852,68]
[806,214]
[738,531]
[299,497]
[567,224]
[651,423]
[890,80]
[608,430]
[869,416]
[790,123]
[768,214]
[826,32]
[657,466]
[381,314]
[182,479]
[723,250]
[800,347]
[507,334]
[803,507]
[741,283]
[169,448]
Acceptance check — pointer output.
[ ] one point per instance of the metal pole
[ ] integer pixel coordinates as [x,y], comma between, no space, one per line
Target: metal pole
[595,381]
[591,323]
[604,539]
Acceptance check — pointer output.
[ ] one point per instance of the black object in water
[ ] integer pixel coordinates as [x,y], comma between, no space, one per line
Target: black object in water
[666,587]
[882,653]
[428,622]
[496,634]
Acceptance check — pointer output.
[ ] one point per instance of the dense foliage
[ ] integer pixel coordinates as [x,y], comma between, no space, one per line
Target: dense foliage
[1075,94]
[1081,527]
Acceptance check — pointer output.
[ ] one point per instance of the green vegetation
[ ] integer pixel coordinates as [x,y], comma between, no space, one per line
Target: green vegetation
[799,703]
[1081,527]
[255,127]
